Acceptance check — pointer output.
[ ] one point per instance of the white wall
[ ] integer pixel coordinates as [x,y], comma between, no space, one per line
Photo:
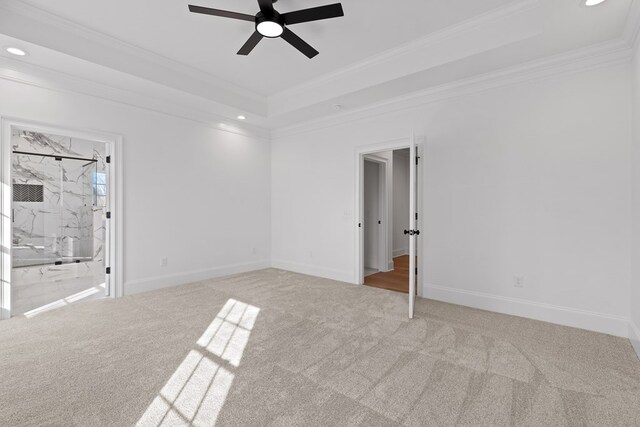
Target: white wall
[634,330]
[400,202]
[529,180]
[198,196]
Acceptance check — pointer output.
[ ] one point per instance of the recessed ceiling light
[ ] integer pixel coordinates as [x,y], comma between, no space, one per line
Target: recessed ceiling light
[16,51]
[593,2]
[241,117]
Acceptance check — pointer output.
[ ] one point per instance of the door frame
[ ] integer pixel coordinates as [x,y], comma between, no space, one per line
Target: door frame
[369,150]
[385,252]
[114,237]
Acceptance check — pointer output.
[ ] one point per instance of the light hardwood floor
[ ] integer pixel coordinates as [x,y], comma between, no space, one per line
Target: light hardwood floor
[396,280]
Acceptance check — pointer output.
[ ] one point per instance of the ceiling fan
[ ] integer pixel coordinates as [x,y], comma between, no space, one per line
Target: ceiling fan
[271,24]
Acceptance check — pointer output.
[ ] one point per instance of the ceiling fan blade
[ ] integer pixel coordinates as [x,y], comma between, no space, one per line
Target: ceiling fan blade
[266,7]
[222,13]
[313,14]
[298,43]
[250,44]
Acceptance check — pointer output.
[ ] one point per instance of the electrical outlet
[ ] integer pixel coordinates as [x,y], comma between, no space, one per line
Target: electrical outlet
[164,261]
[518,281]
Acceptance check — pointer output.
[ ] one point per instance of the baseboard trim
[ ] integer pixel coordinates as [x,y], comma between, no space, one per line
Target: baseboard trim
[313,270]
[634,337]
[567,316]
[400,252]
[161,282]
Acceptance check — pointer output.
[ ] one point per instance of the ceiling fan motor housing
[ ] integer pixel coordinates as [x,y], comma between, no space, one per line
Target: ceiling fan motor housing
[275,17]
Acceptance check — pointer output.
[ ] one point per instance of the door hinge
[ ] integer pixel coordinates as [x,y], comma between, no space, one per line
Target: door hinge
[416,216]
[417,159]
[379,222]
[108,159]
[108,215]
[416,271]
[359,225]
[108,270]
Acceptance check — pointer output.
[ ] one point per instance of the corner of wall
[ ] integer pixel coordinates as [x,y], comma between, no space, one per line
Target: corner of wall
[634,300]
[161,282]
[634,337]
[314,270]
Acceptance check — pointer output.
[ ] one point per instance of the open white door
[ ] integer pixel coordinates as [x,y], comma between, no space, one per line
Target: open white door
[413,231]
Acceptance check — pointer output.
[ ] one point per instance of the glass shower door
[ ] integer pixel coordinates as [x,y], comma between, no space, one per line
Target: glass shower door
[77,210]
[37,217]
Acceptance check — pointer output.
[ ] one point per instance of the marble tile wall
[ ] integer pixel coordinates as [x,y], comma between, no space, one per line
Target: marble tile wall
[67,225]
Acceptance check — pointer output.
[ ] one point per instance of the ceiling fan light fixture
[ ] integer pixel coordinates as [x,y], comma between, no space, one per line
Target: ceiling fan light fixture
[270,29]
[270,23]
[593,2]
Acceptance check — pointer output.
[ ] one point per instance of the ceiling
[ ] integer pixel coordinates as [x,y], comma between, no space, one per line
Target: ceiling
[378,50]
[210,43]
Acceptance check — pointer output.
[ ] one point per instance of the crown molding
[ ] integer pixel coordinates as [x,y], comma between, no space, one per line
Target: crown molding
[390,55]
[631,32]
[189,109]
[476,33]
[197,103]
[602,55]
[597,56]
[15,17]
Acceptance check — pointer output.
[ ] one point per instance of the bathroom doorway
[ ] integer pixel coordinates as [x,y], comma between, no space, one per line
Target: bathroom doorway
[58,214]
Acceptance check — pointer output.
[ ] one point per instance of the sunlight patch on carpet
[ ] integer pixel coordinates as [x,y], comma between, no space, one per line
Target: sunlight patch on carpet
[197,390]
[65,301]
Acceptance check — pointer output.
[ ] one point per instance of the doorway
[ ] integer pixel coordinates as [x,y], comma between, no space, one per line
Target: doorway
[395,278]
[375,222]
[389,208]
[58,208]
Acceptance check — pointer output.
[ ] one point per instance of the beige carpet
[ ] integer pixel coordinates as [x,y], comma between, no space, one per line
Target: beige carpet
[277,348]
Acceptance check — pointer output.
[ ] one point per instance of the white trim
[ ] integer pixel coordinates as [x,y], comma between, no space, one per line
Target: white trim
[157,67]
[5,220]
[568,316]
[416,45]
[113,144]
[607,53]
[577,60]
[186,106]
[314,270]
[360,153]
[421,153]
[632,27]
[385,203]
[177,279]
[573,62]
[400,252]
[413,222]
[634,337]
[412,55]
